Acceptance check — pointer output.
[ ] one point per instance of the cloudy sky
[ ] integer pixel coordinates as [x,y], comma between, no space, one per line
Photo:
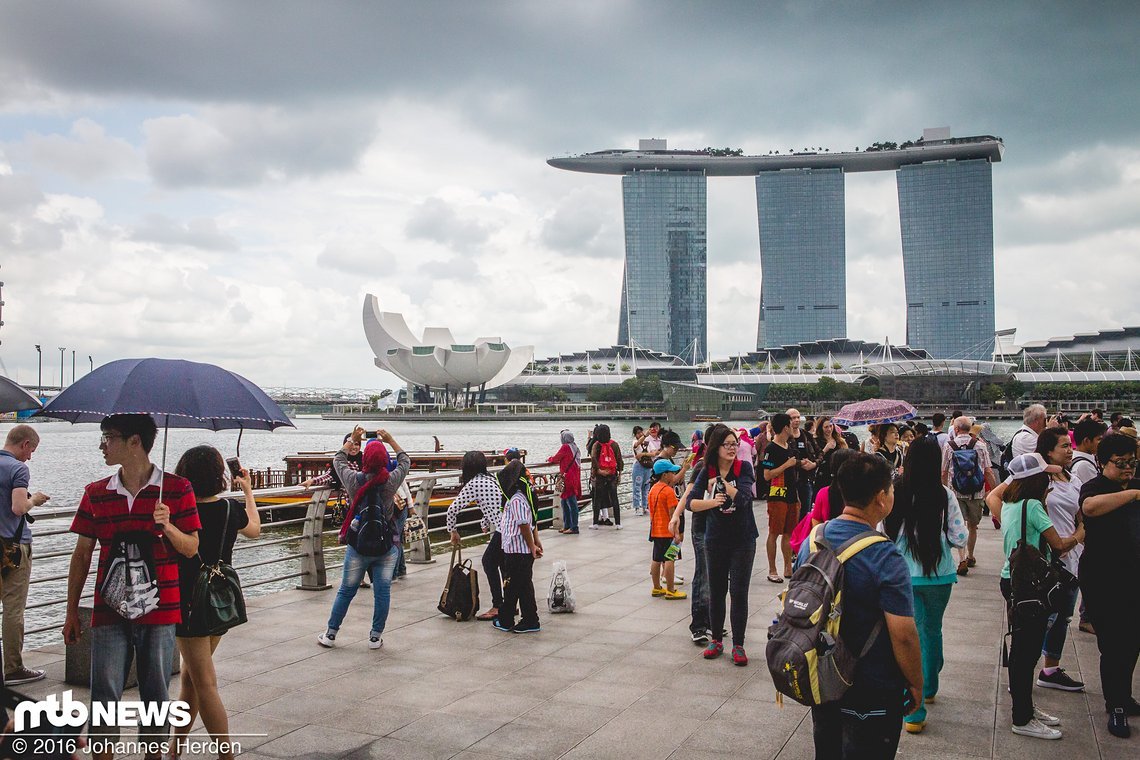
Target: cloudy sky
[225,181]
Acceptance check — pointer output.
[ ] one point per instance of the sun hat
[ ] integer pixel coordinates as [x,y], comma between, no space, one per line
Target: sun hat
[662,466]
[1028,465]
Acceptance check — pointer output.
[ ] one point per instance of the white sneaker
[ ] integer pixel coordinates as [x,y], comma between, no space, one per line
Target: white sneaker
[678,580]
[328,642]
[1045,718]
[1037,730]
[618,527]
[593,526]
[375,643]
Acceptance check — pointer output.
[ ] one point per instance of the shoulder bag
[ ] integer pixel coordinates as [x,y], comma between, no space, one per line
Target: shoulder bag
[217,604]
[10,554]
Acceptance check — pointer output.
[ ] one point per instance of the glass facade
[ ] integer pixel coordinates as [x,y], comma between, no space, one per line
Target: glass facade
[803,290]
[663,300]
[946,216]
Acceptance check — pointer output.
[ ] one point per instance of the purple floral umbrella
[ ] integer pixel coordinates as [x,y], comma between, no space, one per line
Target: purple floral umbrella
[875,411]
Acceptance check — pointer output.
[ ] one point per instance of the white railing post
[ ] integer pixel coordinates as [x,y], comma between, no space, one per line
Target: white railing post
[313,574]
[419,553]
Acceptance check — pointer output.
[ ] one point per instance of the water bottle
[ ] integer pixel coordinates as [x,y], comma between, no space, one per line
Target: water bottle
[355,524]
[673,552]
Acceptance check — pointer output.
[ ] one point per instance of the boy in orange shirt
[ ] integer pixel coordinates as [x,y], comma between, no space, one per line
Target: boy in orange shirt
[662,501]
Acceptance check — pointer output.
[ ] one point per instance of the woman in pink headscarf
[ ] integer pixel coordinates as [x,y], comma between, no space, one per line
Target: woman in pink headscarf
[746,451]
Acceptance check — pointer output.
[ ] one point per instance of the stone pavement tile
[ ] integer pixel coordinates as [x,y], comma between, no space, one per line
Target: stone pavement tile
[504,660]
[552,716]
[527,740]
[439,729]
[640,625]
[615,696]
[648,675]
[631,736]
[377,716]
[300,711]
[971,711]
[388,748]
[482,705]
[676,651]
[362,683]
[623,639]
[1075,743]
[780,719]
[947,733]
[246,729]
[541,687]
[684,753]
[241,695]
[305,673]
[319,741]
[668,701]
[589,651]
[717,677]
[561,667]
[742,739]
[470,755]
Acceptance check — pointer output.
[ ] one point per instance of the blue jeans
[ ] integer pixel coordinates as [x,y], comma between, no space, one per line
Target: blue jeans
[112,647]
[699,590]
[401,564]
[640,486]
[570,513]
[929,606]
[1058,629]
[380,570]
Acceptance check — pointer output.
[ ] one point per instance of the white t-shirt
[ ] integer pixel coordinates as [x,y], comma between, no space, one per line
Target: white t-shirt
[1024,441]
[1083,466]
[1062,505]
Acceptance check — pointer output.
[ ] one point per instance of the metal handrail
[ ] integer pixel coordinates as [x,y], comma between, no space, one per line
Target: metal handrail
[311,554]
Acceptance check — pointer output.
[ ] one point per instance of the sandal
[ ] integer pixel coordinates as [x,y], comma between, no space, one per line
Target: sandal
[775,579]
[490,614]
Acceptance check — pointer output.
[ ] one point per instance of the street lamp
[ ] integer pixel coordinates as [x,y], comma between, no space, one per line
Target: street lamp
[73,366]
[61,350]
[40,357]
[91,362]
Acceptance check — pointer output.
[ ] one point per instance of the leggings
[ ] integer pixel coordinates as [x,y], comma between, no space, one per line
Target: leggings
[730,573]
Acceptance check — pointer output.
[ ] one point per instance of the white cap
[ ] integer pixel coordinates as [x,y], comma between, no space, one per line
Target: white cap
[1028,465]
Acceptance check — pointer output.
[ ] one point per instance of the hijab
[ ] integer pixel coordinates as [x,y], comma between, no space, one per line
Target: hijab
[568,439]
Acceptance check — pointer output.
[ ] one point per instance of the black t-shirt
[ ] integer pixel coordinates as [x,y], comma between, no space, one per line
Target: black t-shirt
[804,446]
[738,526]
[1112,541]
[213,517]
[783,486]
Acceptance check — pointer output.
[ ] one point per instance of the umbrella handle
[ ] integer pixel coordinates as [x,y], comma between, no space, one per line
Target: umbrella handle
[241,429]
[162,472]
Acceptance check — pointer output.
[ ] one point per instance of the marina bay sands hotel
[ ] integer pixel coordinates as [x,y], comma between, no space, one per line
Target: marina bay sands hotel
[945,195]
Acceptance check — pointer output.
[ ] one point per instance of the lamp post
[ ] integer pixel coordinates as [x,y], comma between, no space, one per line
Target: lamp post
[73,366]
[40,361]
[61,350]
[91,362]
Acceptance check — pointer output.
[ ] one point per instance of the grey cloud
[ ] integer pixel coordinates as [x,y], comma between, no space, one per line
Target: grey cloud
[235,146]
[20,230]
[19,192]
[87,154]
[202,233]
[355,257]
[436,220]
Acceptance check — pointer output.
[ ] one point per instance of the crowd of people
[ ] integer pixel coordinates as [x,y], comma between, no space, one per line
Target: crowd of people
[1067,491]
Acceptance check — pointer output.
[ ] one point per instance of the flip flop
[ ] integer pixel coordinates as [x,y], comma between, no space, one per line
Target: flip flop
[775,579]
[488,615]
[787,575]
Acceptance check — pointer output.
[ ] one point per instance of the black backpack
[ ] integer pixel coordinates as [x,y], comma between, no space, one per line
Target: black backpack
[371,533]
[460,597]
[1007,456]
[1038,586]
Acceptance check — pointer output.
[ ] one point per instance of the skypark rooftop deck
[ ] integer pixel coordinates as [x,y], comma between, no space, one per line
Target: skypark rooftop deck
[625,161]
[618,678]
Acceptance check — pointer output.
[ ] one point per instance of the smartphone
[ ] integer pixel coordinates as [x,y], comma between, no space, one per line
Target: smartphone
[235,467]
[370,434]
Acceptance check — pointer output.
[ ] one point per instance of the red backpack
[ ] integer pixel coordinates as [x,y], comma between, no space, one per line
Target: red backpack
[735,470]
[607,462]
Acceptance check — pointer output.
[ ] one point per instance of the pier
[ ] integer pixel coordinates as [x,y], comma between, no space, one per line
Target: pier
[617,678]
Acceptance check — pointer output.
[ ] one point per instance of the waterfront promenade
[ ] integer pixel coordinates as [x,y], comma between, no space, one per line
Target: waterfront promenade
[617,679]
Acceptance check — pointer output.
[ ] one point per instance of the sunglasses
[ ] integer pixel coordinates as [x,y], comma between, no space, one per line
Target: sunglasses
[1124,464]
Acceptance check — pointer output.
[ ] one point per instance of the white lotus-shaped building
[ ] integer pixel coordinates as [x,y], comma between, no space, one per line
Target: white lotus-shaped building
[437,361]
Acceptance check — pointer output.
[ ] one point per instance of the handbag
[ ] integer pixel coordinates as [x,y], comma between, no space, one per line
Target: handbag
[1039,586]
[460,597]
[10,554]
[217,603]
[415,529]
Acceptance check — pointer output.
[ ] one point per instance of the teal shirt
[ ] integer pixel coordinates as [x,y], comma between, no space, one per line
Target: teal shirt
[954,537]
[1037,522]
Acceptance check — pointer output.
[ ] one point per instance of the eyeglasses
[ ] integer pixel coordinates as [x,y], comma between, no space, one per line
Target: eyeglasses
[728,445]
[105,438]
[1124,464]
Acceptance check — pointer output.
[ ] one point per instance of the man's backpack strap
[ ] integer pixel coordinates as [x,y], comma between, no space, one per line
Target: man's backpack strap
[858,543]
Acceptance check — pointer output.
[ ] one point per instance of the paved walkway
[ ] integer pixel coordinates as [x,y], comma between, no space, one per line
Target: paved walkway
[618,678]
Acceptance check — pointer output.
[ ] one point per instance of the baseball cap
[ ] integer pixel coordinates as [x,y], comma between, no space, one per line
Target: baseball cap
[512,453]
[1028,465]
[662,466]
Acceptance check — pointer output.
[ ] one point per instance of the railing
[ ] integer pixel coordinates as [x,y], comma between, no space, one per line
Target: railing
[316,545]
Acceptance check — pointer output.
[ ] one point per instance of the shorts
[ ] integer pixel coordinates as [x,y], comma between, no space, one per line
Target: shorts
[971,510]
[660,546]
[782,517]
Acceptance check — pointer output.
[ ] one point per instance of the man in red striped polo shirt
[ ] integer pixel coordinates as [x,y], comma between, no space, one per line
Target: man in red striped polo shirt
[136,586]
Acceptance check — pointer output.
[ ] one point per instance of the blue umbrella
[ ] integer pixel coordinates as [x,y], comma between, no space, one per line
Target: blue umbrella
[13,397]
[175,392]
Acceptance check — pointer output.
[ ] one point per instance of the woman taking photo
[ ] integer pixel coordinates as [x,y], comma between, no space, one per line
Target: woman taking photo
[725,484]
[926,525]
[376,483]
[569,460]
[222,521]
[1025,496]
[1061,504]
[480,487]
